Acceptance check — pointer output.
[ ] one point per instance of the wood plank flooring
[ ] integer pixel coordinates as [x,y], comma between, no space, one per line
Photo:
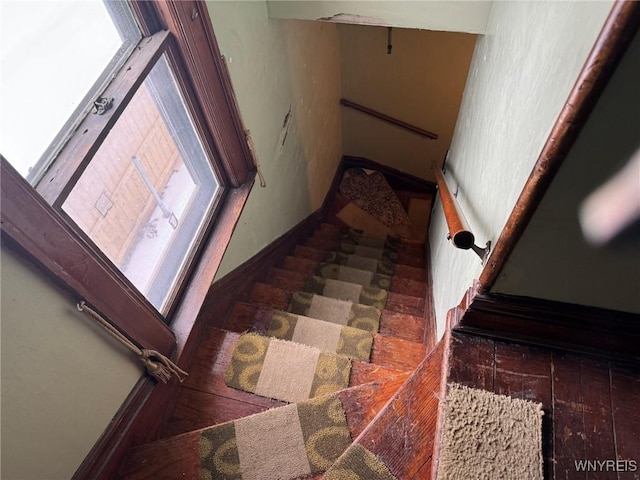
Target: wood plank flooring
[592,406]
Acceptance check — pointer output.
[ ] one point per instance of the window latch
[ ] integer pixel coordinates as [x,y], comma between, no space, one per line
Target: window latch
[101,105]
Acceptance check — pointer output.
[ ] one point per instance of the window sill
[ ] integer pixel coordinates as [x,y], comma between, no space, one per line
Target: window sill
[185,324]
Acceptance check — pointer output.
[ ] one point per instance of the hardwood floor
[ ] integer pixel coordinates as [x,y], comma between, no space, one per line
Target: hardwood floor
[592,406]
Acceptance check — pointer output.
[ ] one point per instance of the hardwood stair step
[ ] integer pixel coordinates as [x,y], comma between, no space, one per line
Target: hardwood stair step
[332,231]
[269,295]
[245,315]
[407,280]
[206,373]
[413,257]
[403,434]
[400,270]
[298,277]
[178,457]
[388,350]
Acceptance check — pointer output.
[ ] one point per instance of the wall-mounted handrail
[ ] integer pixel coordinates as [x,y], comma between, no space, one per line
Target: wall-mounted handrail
[389,119]
[459,231]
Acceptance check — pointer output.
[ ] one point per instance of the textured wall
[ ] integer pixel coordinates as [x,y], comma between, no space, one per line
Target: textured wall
[277,67]
[521,73]
[552,259]
[459,16]
[421,83]
[63,379]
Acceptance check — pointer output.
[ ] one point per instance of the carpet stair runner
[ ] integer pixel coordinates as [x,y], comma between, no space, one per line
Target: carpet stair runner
[338,324]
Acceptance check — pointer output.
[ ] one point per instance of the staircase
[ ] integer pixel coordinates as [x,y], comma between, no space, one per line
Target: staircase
[390,402]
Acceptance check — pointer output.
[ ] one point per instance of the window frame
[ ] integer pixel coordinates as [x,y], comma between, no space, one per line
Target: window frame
[34,223]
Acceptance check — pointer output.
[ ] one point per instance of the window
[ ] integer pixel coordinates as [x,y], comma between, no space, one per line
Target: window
[132,142]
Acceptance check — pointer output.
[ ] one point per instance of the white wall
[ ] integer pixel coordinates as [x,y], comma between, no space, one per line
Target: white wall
[521,73]
[63,380]
[278,66]
[552,260]
[421,83]
[458,16]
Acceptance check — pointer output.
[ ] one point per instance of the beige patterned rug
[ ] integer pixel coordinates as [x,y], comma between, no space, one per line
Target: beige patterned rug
[352,292]
[384,266]
[358,463]
[310,437]
[337,311]
[365,278]
[330,337]
[489,436]
[285,370]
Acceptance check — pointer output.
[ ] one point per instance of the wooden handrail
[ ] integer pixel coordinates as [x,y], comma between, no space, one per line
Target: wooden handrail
[388,119]
[459,231]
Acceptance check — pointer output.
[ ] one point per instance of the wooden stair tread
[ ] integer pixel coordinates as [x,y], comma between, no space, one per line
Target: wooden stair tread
[178,457]
[409,420]
[195,409]
[309,265]
[333,232]
[406,285]
[214,355]
[392,324]
[326,241]
[388,351]
[314,253]
[413,256]
[268,295]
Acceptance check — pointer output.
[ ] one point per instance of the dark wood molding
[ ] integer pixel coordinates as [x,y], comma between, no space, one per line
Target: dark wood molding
[616,35]
[190,23]
[594,331]
[397,179]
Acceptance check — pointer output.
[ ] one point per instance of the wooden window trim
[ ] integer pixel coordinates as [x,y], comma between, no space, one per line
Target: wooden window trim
[31,225]
[190,23]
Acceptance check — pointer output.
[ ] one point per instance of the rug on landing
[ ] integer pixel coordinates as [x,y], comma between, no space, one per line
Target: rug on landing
[289,442]
[358,463]
[329,337]
[337,311]
[352,292]
[371,192]
[285,370]
[365,278]
[485,435]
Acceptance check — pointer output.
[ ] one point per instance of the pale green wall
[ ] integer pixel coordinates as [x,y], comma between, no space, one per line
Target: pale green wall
[62,378]
[458,16]
[277,66]
[552,260]
[521,74]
